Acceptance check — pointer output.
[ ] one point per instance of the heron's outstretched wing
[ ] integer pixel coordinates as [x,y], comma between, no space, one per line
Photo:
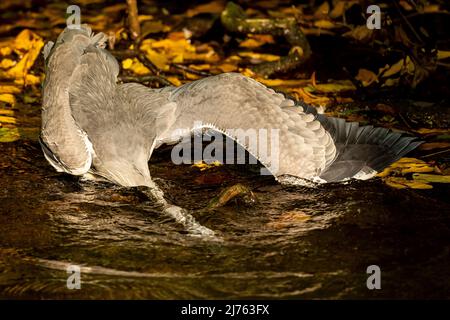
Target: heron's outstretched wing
[288,140]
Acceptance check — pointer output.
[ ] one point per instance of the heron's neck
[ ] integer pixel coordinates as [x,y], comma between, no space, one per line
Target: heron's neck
[59,130]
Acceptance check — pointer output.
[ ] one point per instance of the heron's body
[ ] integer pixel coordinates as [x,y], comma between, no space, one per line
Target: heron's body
[91,124]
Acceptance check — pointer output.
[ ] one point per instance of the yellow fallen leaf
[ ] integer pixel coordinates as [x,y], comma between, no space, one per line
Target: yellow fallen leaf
[232,58]
[6,112]
[5,51]
[430,131]
[177,49]
[200,67]
[227,67]
[174,80]
[136,66]
[402,183]
[9,89]
[7,63]
[247,72]
[24,41]
[8,98]
[192,76]
[179,58]
[174,46]
[205,166]
[256,40]
[391,82]
[394,69]
[431,8]
[443,54]
[210,57]
[4,119]
[31,44]
[127,63]
[143,17]
[9,134]
[307,97]
[325,24]
[406,165]
[29,79]
[259,56]
[432,178]
[250,43]
[283,82]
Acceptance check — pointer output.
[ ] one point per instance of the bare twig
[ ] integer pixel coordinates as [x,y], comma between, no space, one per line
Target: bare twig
[154,69]
[133,21]
[190,70]
[435,153]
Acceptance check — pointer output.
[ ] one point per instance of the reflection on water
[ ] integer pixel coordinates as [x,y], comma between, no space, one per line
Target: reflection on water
[293,243]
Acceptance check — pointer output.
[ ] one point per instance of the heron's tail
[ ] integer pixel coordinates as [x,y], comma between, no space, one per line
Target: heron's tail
[363,151]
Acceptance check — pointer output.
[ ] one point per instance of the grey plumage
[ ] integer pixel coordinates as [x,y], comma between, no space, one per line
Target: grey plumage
[92,125]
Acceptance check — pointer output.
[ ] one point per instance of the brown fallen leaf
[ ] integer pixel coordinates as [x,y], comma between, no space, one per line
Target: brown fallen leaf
[426,131]
[385,108]
[230,193]
[216,6]
[288,219]
[340,7]
[366,77]
[322,11]
[434,145]
[333,87]
[360,33]
[325,24]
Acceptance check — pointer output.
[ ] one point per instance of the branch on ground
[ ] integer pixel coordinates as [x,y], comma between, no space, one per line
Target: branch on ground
[234,19]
